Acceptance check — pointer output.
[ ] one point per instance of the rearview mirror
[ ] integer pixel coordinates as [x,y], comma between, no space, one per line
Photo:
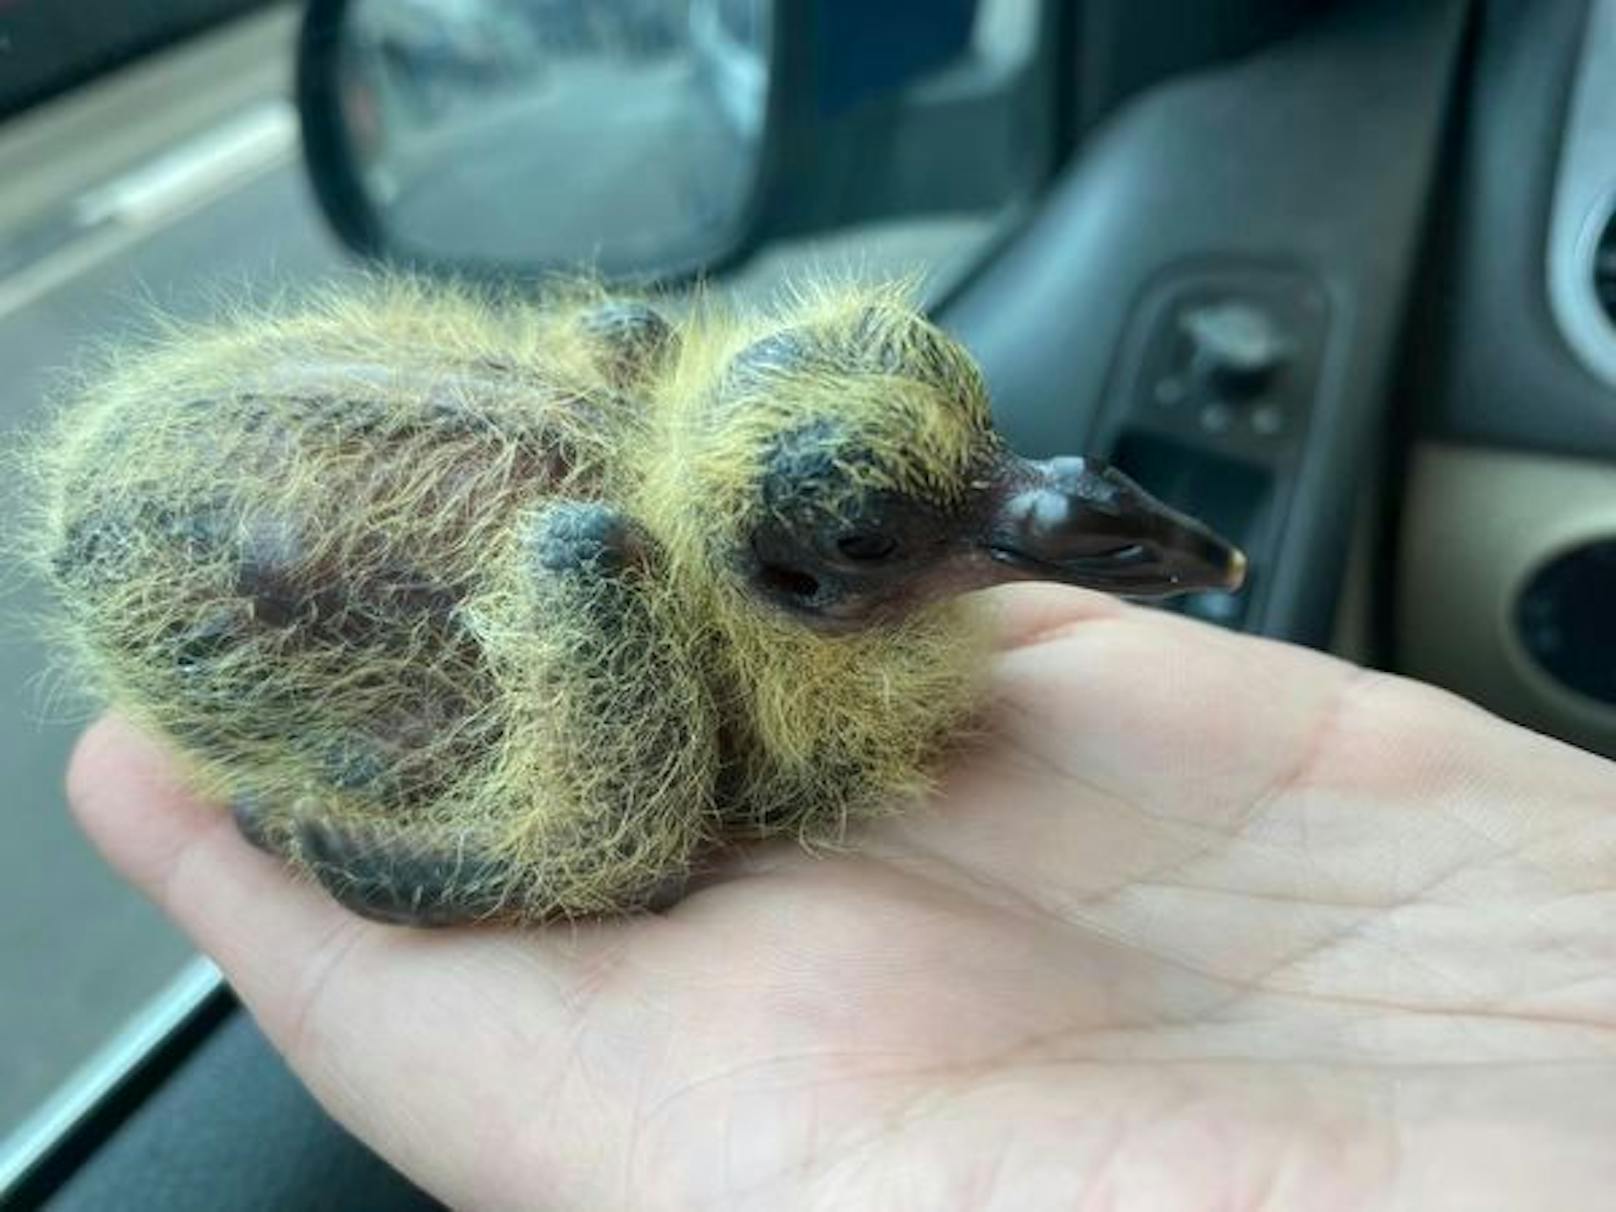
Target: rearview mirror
[515,136]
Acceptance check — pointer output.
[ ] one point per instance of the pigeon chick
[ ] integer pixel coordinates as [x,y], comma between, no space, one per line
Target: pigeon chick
[497,610]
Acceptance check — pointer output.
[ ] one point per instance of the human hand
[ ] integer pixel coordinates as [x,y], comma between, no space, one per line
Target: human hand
[1206,922]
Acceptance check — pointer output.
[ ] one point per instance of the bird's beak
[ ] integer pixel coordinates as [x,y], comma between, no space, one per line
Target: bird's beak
[1085,523]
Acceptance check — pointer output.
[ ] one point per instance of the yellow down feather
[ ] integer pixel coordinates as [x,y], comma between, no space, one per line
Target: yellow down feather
[292,544]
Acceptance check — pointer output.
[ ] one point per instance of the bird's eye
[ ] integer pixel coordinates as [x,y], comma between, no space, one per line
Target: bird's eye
[866,545]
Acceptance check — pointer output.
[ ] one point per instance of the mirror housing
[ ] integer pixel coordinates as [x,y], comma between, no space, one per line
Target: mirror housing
[868,112]
[361,126]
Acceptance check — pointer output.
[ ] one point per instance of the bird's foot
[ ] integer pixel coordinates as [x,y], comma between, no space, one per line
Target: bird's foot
[392,875]
[381,871]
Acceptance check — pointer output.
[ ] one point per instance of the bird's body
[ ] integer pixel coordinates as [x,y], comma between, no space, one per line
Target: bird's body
[478,611]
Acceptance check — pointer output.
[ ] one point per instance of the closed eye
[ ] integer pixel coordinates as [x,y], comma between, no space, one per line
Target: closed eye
[866,546]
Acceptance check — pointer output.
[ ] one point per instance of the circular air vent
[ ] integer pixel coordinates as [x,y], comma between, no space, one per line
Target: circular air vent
[1563,619]
[1605,268]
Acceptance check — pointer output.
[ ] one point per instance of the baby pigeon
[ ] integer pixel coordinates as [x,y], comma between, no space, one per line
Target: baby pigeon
[479,609]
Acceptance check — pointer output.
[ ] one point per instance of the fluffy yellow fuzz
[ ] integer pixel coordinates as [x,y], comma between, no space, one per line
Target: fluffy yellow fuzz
[299,546]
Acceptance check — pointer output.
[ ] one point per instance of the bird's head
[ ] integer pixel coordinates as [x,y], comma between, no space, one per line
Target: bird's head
[846,471]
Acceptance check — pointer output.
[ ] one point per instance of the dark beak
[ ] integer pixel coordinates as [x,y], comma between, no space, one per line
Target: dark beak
[1085,523]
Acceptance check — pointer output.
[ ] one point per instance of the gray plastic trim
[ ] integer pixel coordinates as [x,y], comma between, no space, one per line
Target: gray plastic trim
[1458,582]
[108,1068]
[1318,154]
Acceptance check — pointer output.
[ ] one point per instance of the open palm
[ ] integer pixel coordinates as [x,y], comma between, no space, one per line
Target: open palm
[1202,922]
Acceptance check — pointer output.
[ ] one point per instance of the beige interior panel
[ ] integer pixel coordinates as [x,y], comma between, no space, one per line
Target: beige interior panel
[1477,525]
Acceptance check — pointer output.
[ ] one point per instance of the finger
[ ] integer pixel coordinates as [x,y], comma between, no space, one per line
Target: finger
[1143,704]
[408,1037]
[1024,614]
[240,906]
[1121,741]
[1128,743]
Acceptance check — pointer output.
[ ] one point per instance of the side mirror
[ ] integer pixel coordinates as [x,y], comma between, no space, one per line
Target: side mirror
[510,137]
[659,139]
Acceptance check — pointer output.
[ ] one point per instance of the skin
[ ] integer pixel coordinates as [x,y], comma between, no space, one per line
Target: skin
[1206,922]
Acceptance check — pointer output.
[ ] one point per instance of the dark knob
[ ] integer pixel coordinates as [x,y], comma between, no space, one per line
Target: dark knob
[1235,347]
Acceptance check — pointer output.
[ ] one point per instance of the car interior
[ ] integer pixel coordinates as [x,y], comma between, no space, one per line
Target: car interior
[1336,276]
